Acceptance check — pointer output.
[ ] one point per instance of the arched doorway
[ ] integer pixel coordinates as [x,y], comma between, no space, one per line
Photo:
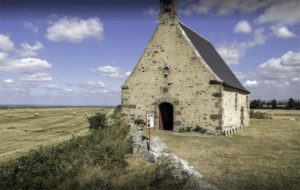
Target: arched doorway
[166,116]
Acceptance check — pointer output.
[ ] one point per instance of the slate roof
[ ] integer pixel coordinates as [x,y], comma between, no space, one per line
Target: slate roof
[213,59]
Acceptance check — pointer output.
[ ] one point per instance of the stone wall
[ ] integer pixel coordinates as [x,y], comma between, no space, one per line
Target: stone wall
[236,110]
[197,101]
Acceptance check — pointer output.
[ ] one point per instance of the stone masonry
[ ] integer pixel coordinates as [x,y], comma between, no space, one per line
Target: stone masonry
[172,70]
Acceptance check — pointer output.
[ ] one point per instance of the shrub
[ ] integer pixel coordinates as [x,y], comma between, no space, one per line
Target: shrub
[181,129]
[259,115]
[97,121]
[50,167]
[137,120]
[200,129]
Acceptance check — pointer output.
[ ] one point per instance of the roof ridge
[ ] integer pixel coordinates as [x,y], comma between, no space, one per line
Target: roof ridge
[194,32]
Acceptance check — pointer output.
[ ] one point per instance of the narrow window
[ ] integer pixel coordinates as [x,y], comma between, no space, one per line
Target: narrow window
[236,100]
[167,5]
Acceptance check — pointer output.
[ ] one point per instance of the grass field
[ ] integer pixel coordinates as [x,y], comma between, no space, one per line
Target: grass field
[24,128]
[265,155]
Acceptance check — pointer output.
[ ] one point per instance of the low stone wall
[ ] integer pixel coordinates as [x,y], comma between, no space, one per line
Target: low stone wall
[181,169]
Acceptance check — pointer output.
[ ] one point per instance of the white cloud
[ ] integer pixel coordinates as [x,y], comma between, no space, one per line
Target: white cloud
[251,83]
[31,27]
[283,67]
[91,87]
[74,29]
[240,75]
[127,73]
[110,71]
[285,12]
[25,65]
[3,56]
[30,50]
[5,43]
[11,86]
[259,39]
[283,32]
[222,7]
[296,79]
[232,52]
[8,81]
[50,86]
[291,58]
[151,12]
[242,27]
[37,77]
[93,84]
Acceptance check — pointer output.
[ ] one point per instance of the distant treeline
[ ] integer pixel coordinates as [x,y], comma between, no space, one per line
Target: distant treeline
[290,103]
[56,106]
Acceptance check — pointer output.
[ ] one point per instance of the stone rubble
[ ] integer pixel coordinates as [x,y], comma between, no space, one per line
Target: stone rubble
[158,150]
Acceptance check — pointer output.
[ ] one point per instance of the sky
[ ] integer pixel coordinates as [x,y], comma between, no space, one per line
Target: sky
[80,52]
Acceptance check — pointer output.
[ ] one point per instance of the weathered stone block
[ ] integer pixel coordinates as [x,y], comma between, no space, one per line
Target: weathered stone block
[130,106]
[177,123]
[216,116]
[217,94]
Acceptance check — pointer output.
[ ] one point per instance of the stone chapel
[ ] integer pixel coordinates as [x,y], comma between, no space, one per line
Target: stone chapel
[184,82]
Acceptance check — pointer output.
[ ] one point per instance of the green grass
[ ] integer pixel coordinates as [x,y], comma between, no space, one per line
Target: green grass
[99,160]
[52,167]
[21,130]
[265,155]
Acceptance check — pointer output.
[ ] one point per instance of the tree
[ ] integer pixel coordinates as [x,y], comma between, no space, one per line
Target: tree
[274,104]
[255,104]
[291,104]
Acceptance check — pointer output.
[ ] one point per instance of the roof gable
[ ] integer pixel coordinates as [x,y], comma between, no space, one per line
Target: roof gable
[213,59]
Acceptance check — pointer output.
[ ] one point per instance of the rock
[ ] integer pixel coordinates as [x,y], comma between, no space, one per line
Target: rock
[136,137]
[180,169]
[157,146]
[149,156]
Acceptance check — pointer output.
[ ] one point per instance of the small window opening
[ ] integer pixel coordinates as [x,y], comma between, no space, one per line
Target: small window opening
[236,101]
[166,70]
[167,5]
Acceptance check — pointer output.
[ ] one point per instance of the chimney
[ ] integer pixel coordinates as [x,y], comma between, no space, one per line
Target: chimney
[168,13]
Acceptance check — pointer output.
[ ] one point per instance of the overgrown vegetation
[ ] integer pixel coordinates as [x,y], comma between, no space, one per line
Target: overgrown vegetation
[97,121]
[48,167]
[200,129]
[197,129]
[259,115]
[137,120]
[100,160]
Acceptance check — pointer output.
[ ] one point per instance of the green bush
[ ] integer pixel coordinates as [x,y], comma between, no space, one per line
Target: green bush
[200,129]
[259,115]
[49,167]
[95,161]
[181,129]
[97,121]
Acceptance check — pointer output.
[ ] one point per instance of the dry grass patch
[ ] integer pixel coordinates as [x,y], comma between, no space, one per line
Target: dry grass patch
[264,156]
[22,129]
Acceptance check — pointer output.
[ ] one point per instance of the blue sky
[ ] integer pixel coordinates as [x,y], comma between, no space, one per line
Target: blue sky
[81,52]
